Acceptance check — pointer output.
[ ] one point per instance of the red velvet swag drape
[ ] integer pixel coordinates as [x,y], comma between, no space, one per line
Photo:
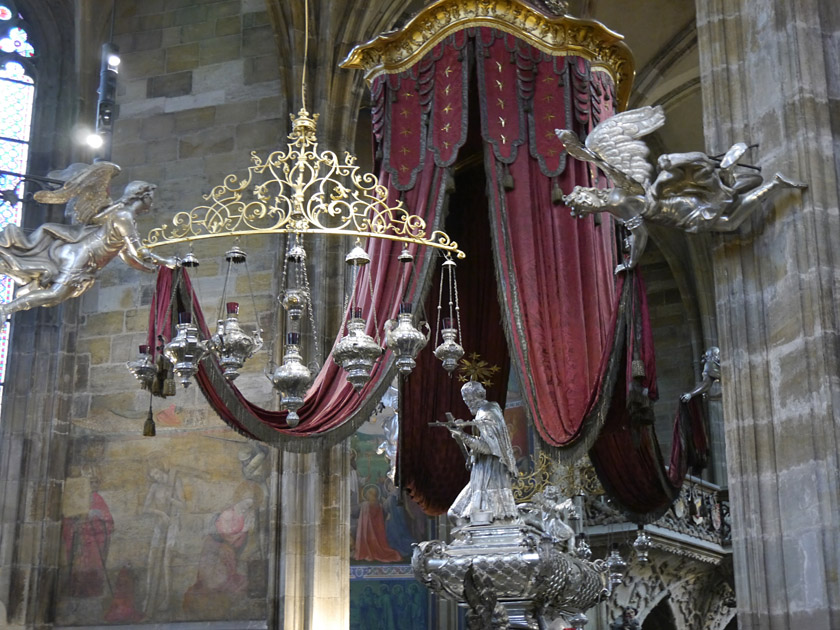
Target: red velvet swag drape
[626,455]
[332,410]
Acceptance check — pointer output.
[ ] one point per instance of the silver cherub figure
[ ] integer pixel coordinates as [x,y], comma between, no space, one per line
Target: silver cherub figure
[711,374]
[57,261]
[692,191]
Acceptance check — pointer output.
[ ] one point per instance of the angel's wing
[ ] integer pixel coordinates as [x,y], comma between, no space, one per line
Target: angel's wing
[614,146]
[87,189]
[616,141]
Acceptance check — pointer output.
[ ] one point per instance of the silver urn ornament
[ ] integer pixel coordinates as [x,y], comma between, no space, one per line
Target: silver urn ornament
[143,367]
[642,545]
[357,352]
[292,379]
[294,301]
[186,349]
[616,565]
[404,339]
[449,351]
[232,345]
[582,549]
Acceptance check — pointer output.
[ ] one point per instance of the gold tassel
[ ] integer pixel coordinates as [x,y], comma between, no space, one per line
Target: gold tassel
[149,425]
[507,178]
[556,192]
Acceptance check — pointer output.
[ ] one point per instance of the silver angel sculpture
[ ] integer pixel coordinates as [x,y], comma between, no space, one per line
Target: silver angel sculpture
[691,191]
[56,261]
[711,374]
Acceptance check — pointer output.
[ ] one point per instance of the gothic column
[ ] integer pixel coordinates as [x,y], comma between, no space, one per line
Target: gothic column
[34,438]
[313,567]
[770,76]
[314,561]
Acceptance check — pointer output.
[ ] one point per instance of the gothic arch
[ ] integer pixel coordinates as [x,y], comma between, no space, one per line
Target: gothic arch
[661,616]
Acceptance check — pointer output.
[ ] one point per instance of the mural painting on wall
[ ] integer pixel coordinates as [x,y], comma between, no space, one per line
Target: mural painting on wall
[150,532]
[521,435]
[388,598]
[384,521]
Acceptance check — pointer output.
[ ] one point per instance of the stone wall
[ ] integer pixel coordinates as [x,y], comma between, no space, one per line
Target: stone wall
[174,527]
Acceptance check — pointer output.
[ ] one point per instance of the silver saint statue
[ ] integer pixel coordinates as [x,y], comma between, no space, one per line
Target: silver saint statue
[56,261]
[488,496]
[692,191]
[711,373]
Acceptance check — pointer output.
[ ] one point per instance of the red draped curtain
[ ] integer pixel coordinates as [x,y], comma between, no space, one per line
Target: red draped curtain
[579,341]
[555,272]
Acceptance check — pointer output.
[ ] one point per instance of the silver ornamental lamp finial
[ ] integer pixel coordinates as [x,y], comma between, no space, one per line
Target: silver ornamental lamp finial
[450,349]
[357,352]
[231,344]
[642,545]
[582,548]
[616,565]
[143,367]
[404,339]
[292,379]
[186,349]
[190,261]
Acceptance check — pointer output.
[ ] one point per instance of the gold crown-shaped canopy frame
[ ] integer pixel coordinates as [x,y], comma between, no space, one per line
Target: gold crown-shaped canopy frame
[300,191]
[554,35]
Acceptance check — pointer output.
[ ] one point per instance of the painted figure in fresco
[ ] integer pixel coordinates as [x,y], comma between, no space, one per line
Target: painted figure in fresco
[371,537]
[122,608]
[693,192]
[87,538]
[488,496]
[57,261]
[711,374]
[255,468]
[164,502]
[397,529]
[219,583]
[376,609]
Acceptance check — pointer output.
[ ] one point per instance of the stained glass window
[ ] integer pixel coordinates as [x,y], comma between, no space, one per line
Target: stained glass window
[15,42]
[17,92]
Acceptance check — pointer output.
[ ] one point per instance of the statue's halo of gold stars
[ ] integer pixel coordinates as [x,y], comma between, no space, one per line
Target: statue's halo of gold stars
[474,368]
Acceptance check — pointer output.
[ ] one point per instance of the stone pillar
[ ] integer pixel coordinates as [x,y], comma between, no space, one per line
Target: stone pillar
[314,561]
[33,452]
[770,76]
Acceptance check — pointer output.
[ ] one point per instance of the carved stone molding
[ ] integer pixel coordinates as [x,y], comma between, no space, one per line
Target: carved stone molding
[697,594]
